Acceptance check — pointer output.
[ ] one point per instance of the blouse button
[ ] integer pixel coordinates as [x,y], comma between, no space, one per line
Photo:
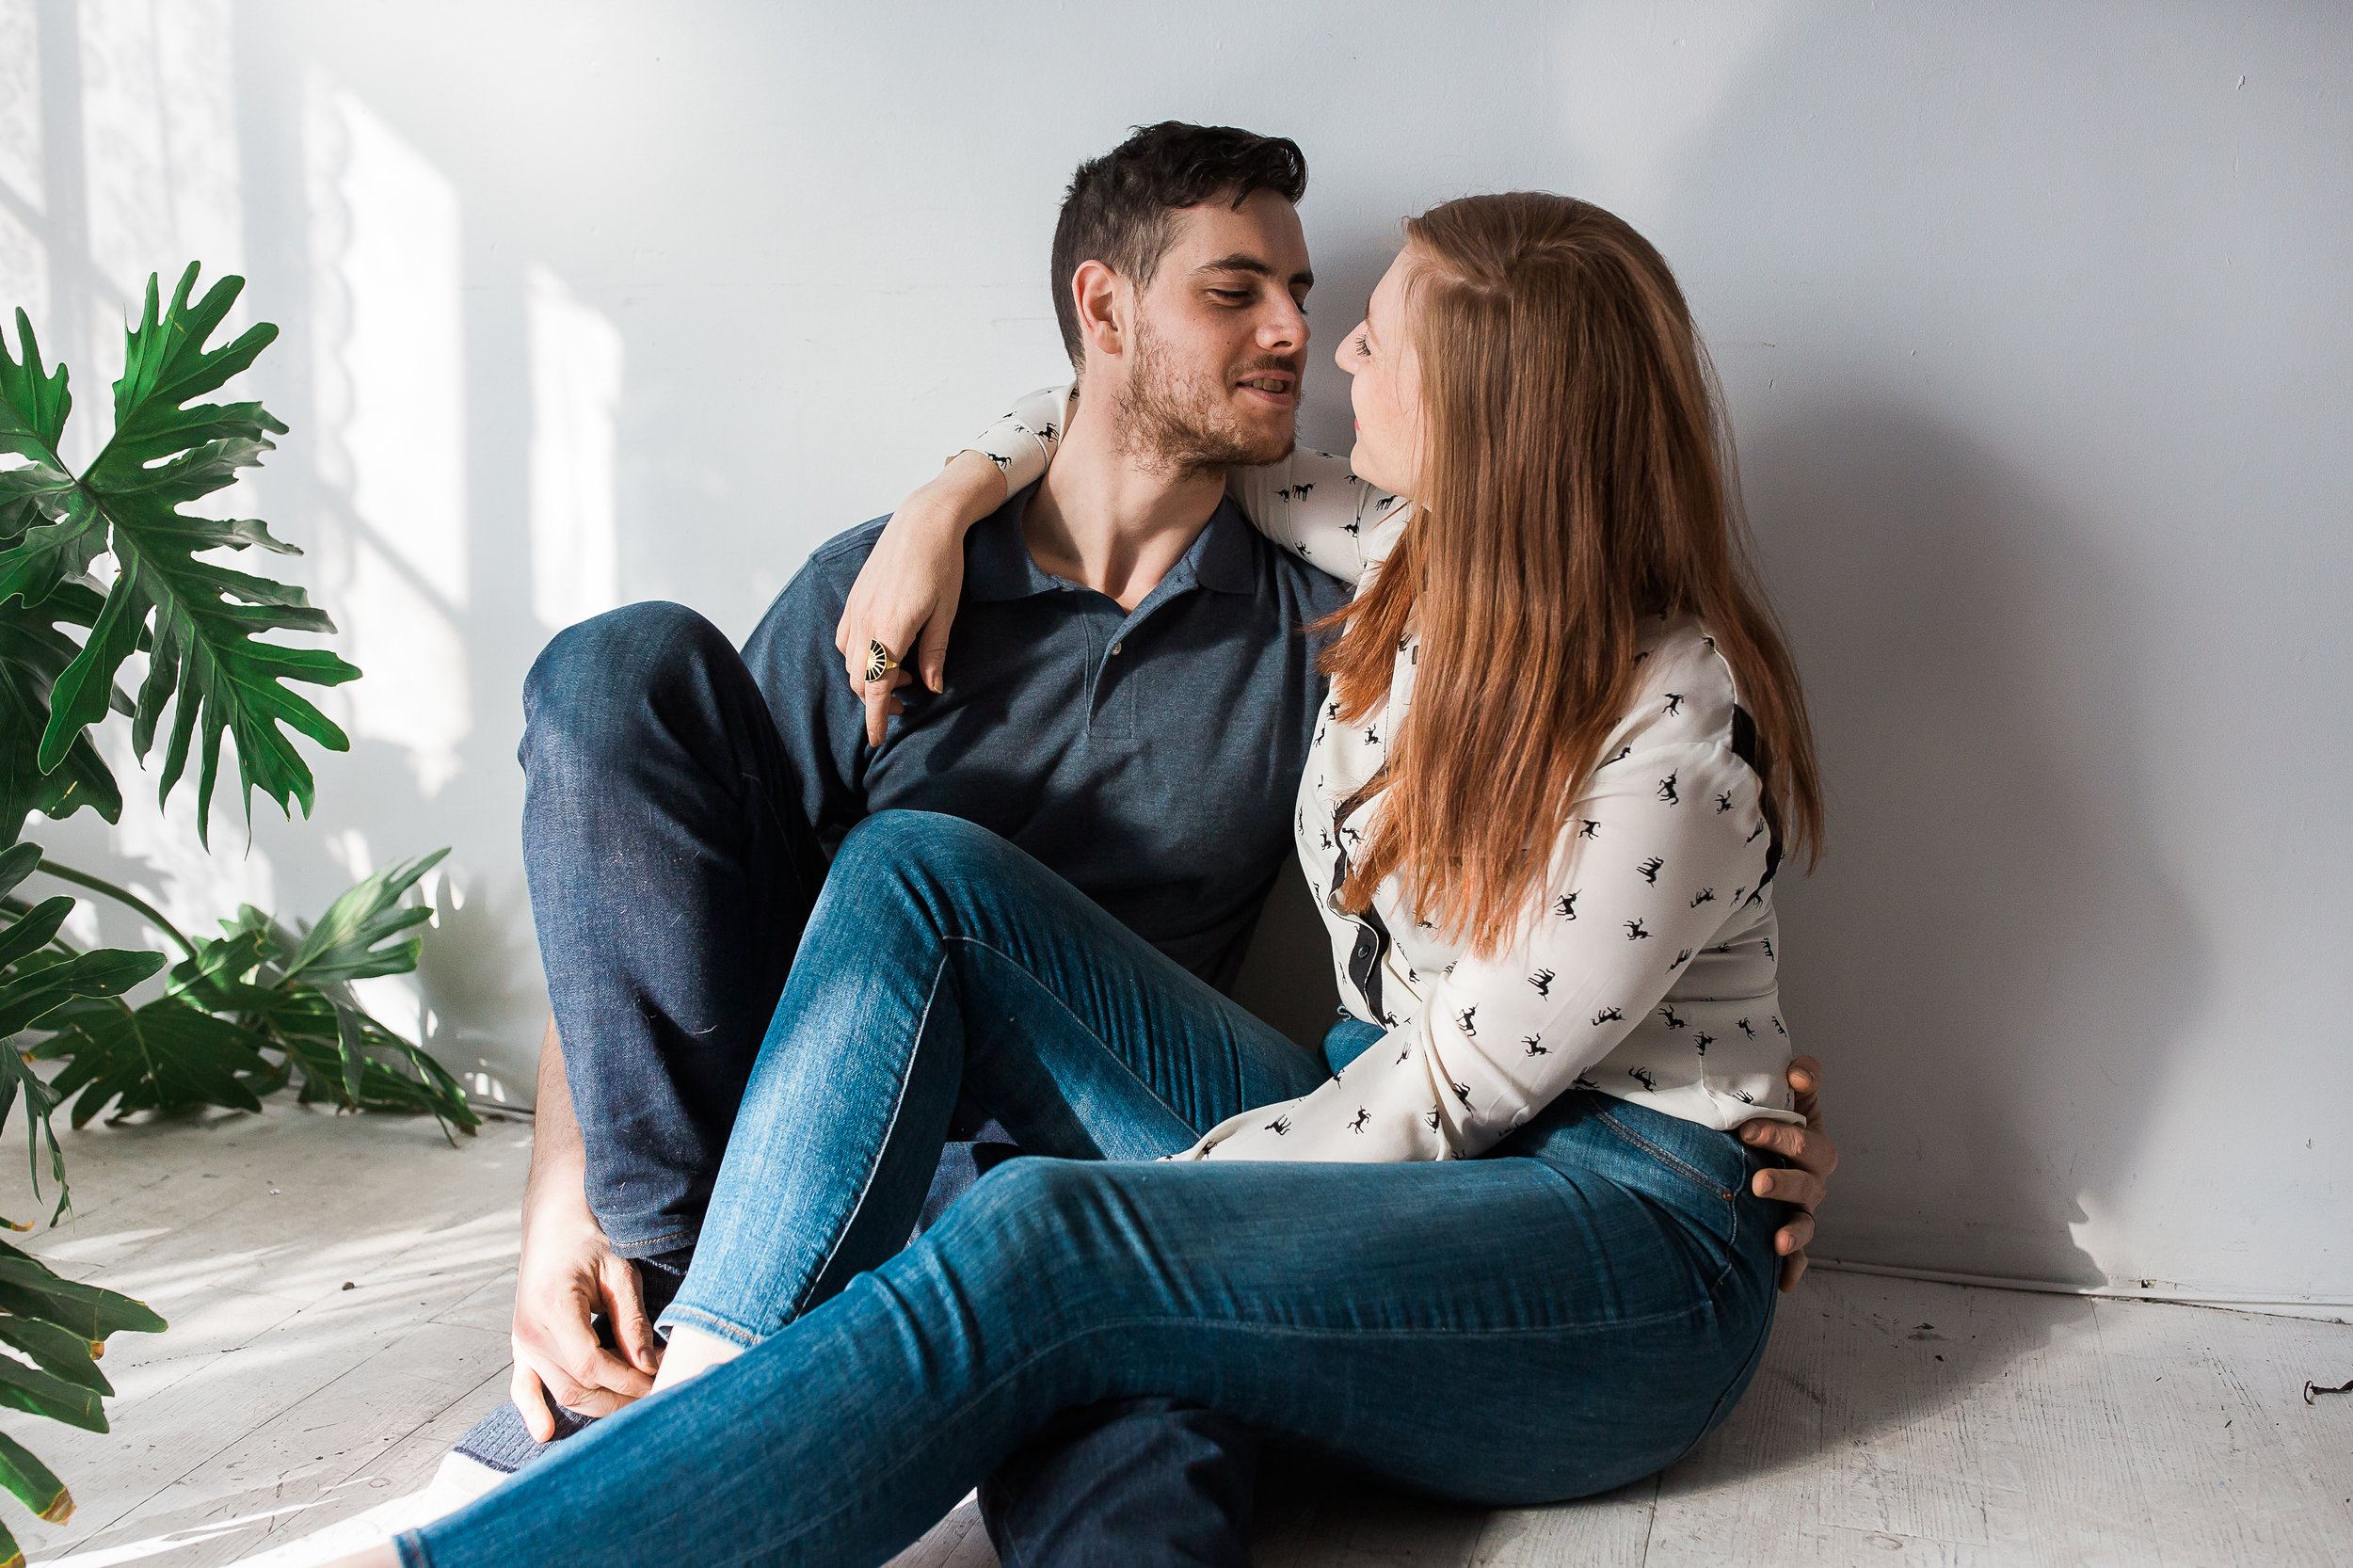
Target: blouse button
[1116,646]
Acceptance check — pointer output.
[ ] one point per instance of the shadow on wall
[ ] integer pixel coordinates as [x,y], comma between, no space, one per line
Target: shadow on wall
[482,987]
[1991,963]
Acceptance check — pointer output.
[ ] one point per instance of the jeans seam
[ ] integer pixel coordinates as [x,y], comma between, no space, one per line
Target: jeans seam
[724,1327]
[1756,1349]
[881,1146]
[1661,1155]
[1055,997]
[689,1232]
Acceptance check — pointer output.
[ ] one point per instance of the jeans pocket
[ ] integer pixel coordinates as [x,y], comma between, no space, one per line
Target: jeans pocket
[1713,1163]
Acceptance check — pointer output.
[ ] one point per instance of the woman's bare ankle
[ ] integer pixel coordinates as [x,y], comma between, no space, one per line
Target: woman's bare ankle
[692,1351]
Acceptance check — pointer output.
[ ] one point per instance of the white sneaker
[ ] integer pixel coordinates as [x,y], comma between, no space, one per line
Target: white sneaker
[460,1481]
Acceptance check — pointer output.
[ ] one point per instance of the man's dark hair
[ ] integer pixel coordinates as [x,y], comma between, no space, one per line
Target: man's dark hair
[1117,212]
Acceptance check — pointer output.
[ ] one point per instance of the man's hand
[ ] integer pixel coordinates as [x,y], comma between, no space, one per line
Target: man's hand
[1813,1156]
[905,596]
[568,1273]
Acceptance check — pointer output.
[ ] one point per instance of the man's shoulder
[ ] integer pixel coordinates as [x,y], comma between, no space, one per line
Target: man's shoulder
[1232,552]
[835,564]
[1317,590]
[805,612]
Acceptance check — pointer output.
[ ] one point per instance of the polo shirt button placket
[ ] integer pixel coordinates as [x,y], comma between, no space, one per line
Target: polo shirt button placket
[1115,714]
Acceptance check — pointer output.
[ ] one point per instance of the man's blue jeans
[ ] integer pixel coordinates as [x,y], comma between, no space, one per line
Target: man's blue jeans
[672,871]
[1572,1312]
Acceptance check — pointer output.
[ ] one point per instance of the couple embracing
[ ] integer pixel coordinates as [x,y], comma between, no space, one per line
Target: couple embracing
[956,858]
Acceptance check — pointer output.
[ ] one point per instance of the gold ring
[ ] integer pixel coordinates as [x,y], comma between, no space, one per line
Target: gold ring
[878,661]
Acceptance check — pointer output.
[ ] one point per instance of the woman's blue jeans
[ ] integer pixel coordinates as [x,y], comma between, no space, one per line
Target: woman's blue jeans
[1571,1312]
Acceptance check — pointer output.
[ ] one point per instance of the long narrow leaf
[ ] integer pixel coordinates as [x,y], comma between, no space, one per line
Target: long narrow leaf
[30,1288]
[17,862]
[37,1393]
[59,1351]
[35,1485]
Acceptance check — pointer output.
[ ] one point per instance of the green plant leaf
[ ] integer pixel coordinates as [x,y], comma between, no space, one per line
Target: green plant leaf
[17,1077]
[166,1054]
[344,945]
[33,403]
[31,495]
[33,653]
[239,998]
[28,935]
[35,1485]
[11,1555]
[215,979]
[28,999]
[38,1393]
[57,1350]
[37,983]
[205,664]
[30,1288]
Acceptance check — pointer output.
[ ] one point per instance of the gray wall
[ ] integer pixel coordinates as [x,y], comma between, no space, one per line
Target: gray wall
[2034,320]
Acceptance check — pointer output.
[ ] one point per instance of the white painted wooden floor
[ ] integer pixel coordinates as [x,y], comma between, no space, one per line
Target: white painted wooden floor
[338,1293]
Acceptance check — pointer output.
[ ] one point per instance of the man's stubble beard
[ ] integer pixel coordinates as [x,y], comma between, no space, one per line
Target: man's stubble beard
[1184,426]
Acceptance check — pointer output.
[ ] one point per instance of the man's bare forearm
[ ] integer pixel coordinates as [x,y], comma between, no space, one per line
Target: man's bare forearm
[559,1160]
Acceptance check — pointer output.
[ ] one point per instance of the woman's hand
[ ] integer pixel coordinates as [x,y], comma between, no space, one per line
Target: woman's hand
[1813,1157]
[905,595]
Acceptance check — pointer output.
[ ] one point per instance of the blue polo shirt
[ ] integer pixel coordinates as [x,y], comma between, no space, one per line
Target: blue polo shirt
[1151,757]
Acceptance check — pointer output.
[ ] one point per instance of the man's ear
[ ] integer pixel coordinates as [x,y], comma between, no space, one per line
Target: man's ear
[1105,308]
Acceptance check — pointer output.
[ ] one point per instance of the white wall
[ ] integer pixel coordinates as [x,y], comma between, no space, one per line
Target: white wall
[2035,321]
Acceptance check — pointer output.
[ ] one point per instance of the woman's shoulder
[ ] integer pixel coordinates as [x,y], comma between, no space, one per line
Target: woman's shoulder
[1684,692]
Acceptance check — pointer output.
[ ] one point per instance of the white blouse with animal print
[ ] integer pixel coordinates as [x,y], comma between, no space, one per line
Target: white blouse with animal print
[1641,967]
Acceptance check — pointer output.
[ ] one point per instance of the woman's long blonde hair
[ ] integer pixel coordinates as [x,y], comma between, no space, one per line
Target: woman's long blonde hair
[1577,476]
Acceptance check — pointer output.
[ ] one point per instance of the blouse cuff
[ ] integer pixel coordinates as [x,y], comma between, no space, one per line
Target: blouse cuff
[1022,443]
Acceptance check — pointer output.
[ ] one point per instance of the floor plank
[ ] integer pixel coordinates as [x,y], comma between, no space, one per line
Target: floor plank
[1892,1422]
[333,1286]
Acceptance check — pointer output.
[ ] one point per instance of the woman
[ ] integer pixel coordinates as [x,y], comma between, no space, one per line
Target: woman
[1562,757]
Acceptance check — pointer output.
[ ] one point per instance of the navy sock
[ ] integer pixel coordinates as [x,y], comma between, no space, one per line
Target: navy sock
[502,1442]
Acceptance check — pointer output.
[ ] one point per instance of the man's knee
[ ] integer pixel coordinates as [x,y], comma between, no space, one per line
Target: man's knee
[598,683]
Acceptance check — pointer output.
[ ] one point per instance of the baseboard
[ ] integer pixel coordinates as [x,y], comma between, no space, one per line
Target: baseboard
[2284,1306]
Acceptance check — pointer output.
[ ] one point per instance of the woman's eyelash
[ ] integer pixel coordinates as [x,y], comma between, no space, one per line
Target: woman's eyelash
[1362,348]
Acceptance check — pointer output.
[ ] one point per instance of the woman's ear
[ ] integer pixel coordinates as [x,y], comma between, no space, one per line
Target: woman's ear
[1101,300]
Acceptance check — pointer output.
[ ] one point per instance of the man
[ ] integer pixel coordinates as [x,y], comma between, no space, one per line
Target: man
[1133,701]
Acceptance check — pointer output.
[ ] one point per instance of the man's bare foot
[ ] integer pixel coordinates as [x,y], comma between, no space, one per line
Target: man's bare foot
[692,1351]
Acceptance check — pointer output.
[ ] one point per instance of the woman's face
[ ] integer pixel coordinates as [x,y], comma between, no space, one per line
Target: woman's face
[1386,391]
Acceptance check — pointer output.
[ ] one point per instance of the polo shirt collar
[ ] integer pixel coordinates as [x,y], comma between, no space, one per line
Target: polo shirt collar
[1220,558]
[997,560]
[998,565]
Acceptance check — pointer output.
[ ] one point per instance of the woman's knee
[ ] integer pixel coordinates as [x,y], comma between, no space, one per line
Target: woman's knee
[599,683]
[926,848]
[1050,1213]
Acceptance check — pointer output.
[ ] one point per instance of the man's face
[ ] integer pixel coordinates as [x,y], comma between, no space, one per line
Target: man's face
[1221,340]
